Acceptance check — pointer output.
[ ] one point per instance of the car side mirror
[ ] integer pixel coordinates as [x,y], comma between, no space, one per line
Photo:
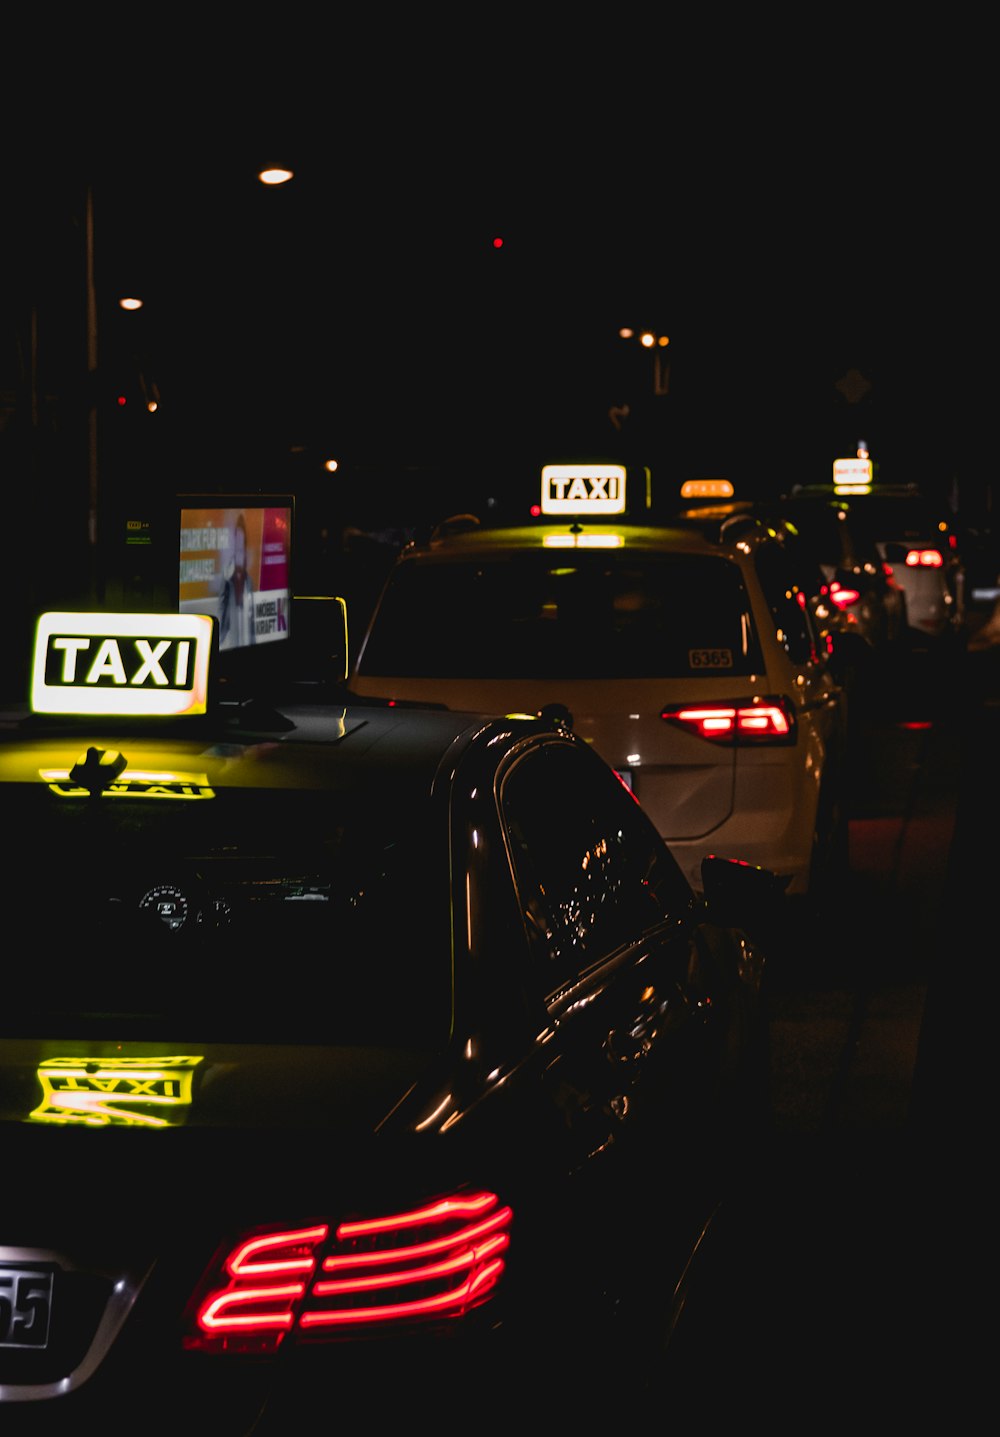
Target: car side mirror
[741,895]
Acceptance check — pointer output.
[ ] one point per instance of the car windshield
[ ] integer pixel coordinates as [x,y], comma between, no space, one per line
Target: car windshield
[252,914]
[578,614]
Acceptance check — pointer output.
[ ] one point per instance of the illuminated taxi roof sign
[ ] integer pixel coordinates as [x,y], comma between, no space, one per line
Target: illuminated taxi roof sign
[583,489]
[706,489]
[852,476]
[125,664]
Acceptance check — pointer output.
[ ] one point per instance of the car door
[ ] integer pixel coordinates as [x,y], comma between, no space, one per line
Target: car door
[650,1021]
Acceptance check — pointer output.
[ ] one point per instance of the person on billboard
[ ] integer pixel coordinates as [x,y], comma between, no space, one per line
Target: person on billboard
[236,599]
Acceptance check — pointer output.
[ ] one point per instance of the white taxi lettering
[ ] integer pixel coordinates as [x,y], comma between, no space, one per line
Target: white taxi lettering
[70,648]
[108,662]
[151,665]
[602,486]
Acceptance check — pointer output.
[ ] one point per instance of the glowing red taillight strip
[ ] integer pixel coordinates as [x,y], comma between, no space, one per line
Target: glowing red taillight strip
[372,1280]
[468,1235]
[723,721]
[216,1316]
[762,721]
[707,720]
[456,1299]
[241,1265]
[448,1207]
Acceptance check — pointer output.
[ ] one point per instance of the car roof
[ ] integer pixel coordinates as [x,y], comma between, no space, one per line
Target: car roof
[705,529]
[906,507]
[347,747]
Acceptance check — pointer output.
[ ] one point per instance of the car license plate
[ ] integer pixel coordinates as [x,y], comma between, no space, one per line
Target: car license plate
[625,774]
[25,1306]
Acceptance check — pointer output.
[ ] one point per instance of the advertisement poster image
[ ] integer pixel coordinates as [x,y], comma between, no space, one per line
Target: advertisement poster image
[234,564]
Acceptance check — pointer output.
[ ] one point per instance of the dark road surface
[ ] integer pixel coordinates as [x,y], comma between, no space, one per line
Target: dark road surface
[853,1274]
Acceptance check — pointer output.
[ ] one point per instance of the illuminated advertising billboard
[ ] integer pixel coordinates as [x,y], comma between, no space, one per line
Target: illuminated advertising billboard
[234,564]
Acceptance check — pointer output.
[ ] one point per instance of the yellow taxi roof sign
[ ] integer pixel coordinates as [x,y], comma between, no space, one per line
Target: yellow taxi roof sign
[124,664]
[707,489]
[852,476]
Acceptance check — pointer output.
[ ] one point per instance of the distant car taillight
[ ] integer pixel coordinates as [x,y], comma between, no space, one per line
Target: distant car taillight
[842,596]
[924,559]
[768,721]
[433,1263]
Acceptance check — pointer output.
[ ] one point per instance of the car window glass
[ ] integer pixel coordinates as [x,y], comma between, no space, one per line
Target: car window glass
[592,873]
[575,615]
[898,518]
[822,531]
[302,917]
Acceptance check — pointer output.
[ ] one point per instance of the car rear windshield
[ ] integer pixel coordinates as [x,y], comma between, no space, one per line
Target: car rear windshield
[574,615]
[249,915]
[901,518]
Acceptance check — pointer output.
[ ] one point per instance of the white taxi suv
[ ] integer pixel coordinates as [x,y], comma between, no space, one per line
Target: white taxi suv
[686,654]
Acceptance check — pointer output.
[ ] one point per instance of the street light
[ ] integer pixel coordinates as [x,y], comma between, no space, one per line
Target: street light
[275,175]
[649,339]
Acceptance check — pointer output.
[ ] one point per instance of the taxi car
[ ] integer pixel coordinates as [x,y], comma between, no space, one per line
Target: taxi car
[915,540]
[858,583]
[686,654]
[856,606]
[352,1059]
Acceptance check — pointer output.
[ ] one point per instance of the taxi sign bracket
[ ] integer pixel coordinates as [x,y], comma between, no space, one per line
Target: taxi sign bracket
[97,770]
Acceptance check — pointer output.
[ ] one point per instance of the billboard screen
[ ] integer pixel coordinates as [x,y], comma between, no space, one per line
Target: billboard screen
[235,563]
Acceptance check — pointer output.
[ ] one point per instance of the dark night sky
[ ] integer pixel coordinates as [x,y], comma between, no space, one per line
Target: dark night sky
[789,207]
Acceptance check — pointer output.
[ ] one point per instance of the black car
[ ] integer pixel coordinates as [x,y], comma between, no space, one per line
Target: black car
[352,1058]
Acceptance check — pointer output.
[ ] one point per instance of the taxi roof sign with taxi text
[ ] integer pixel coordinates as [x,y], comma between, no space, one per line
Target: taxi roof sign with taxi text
[583,489]
[126,664]
[852,476]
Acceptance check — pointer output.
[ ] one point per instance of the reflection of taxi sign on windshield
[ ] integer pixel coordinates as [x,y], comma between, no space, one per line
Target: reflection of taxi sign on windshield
[126,1092]
[852,476]
[126,664]
[583,489]
[706,489]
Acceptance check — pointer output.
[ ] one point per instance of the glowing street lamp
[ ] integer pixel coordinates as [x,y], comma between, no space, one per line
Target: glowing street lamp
[275,175]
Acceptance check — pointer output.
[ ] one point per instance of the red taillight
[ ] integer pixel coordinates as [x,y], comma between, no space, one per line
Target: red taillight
[842,596]
[769,721]
[435,1262]
[924,559]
